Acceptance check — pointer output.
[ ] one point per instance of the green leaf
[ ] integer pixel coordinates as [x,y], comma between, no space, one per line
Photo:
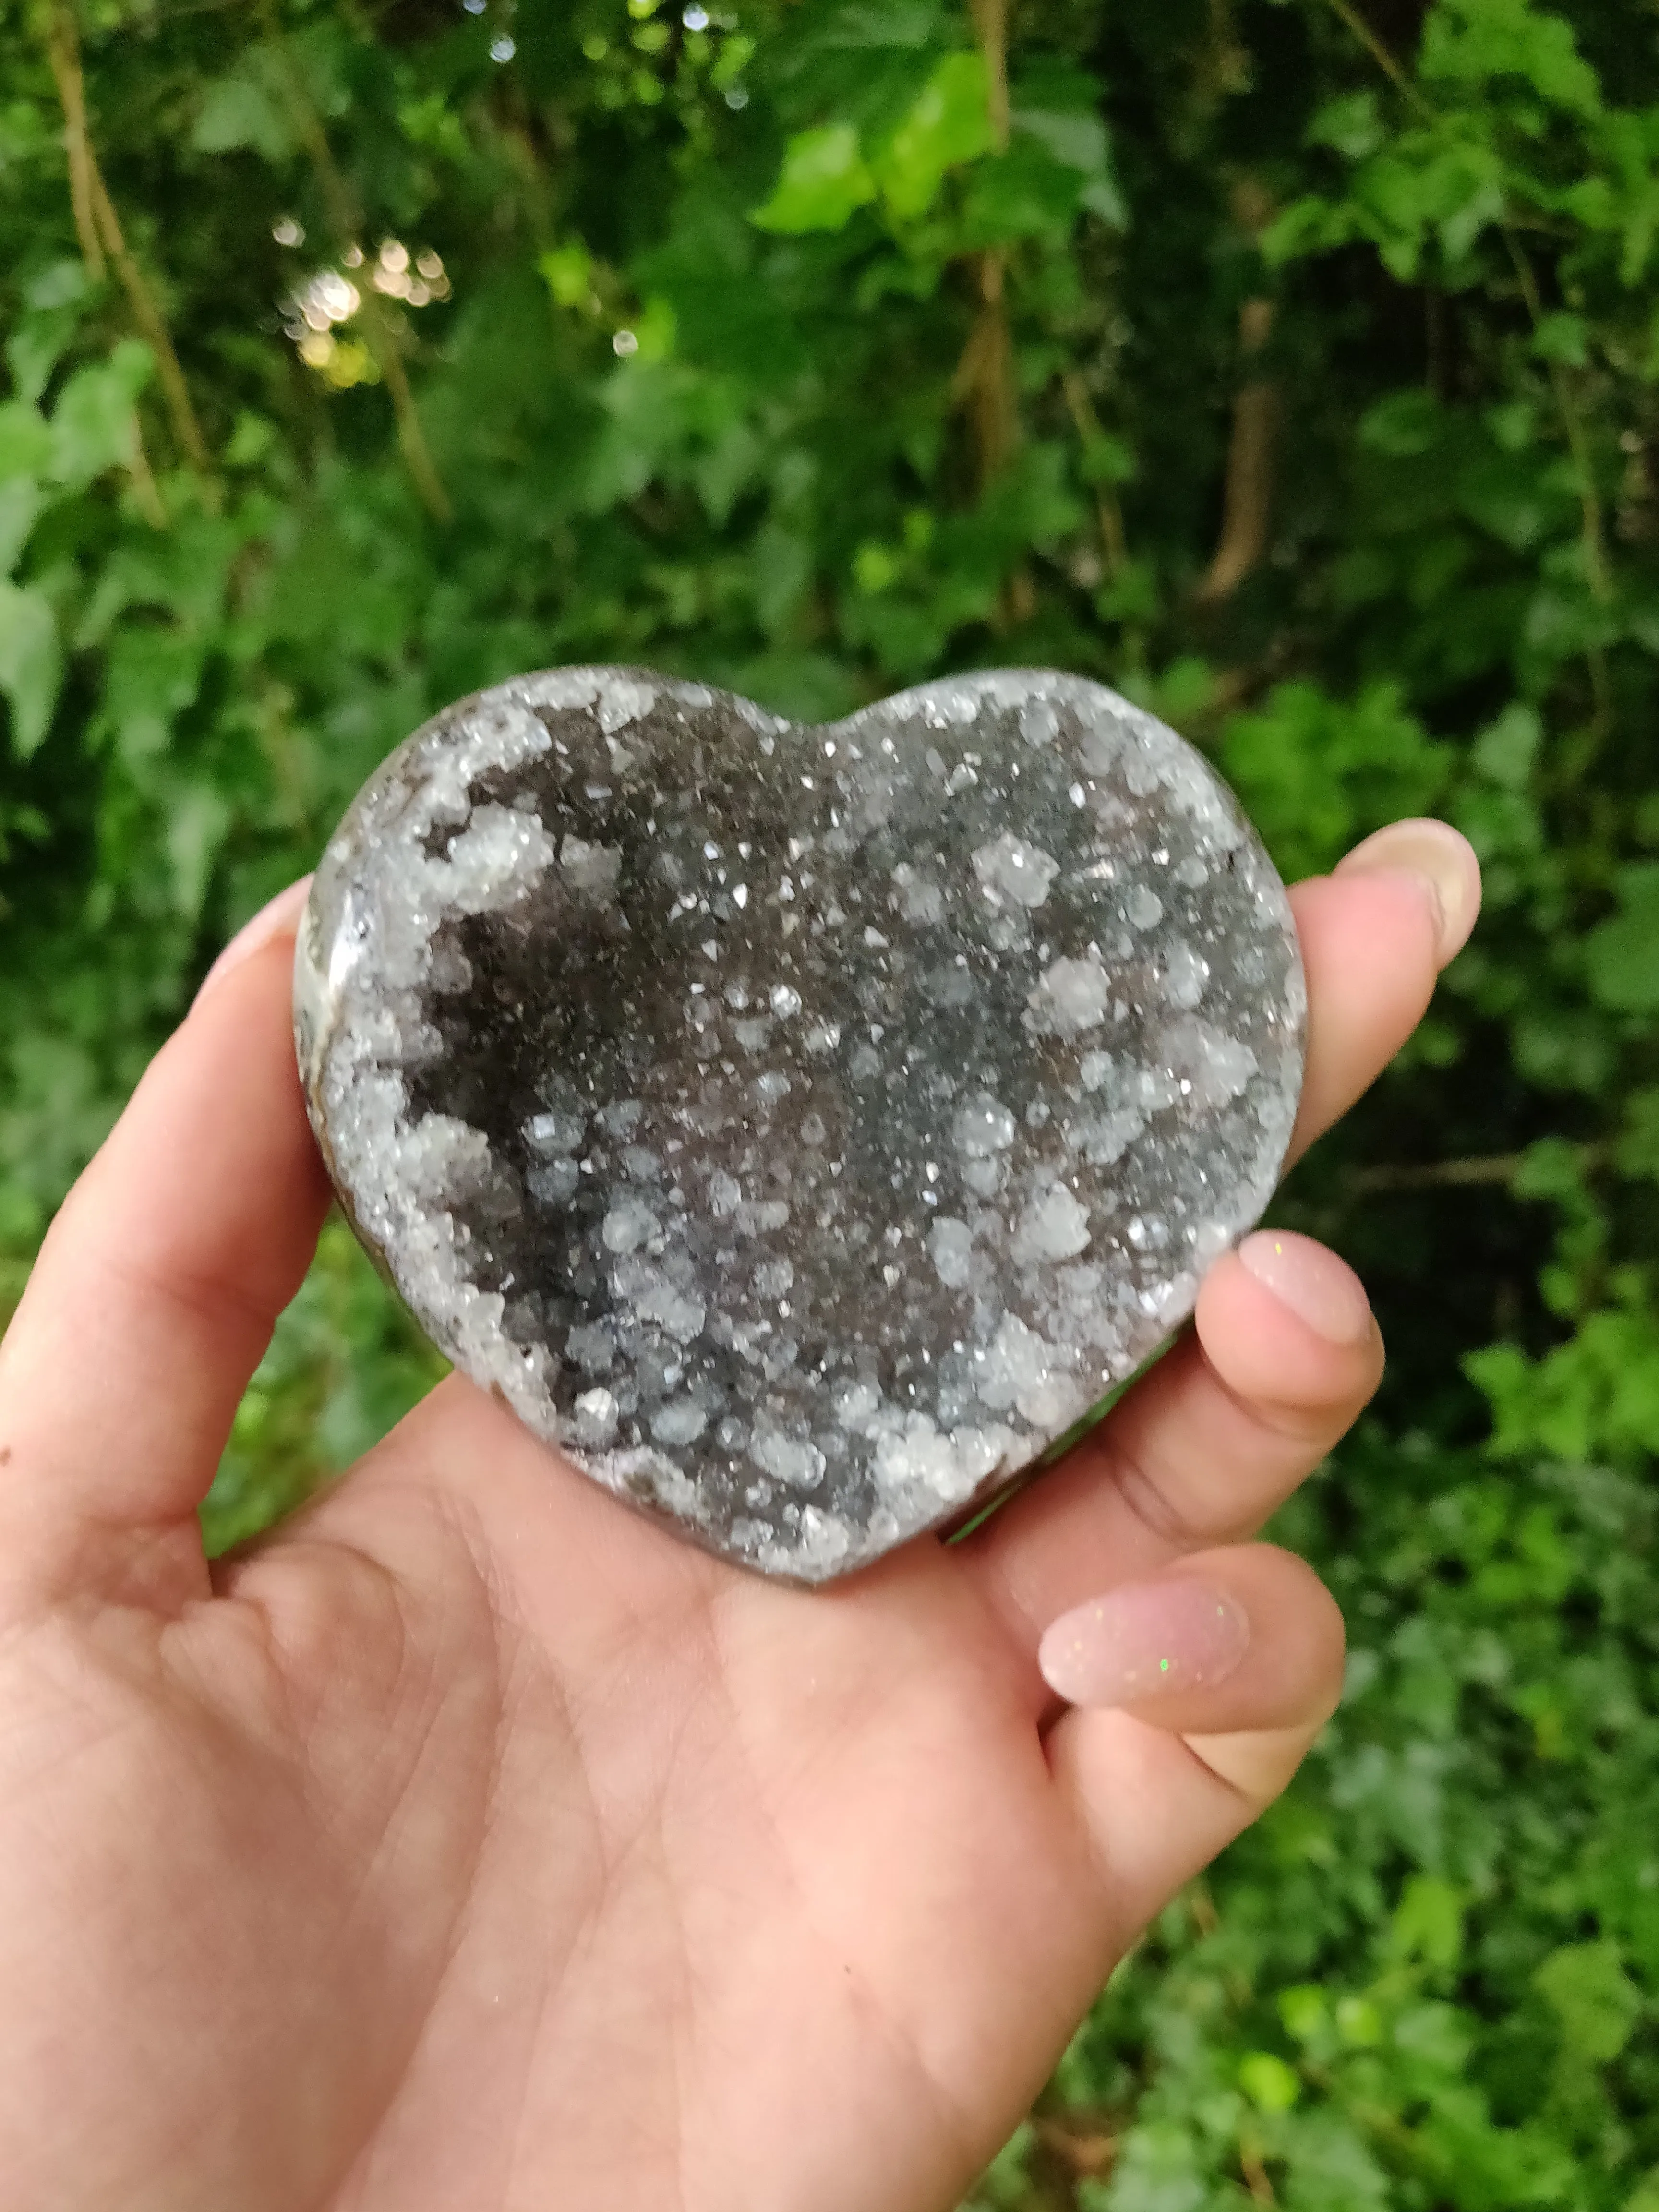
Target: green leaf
[1024,193]
[950,125]
[1622,953]
[1267,2081]
[824,180]
[55,301]
[1479,44]
[20,501]
[152,676]
[1428,1923]
[1637,1153]
[198,819]
[92,423]
[1562,337]
[1505,751]
[1594,1999]
[1351,124]
[568,272]
[1079,141]
[26,440]
[244,110]
[31,665]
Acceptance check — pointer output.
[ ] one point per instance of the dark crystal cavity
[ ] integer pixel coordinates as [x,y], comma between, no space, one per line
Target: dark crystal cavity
[801,1128]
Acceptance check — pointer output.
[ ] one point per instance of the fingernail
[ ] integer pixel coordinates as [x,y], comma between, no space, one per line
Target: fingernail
[1443,860]
[1318,1288]
[276,915]
[1145,1640]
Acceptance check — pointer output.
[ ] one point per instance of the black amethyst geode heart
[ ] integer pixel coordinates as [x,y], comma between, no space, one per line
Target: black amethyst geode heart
[799,1127]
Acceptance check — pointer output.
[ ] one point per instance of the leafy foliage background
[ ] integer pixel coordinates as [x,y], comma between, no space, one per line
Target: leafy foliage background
[1292,365]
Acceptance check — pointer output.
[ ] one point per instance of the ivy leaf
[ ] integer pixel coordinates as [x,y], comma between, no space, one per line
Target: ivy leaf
[1622,953]
[91,422]
[241,112]
[1593,1998]
[1506,749]
[949,124]
[1079,141]
[1562,337]
[1267,2081]
[20,501]
[1428,1923]
[31,665]
[1352,125]
[26,440]
[824,181]
[1479,43]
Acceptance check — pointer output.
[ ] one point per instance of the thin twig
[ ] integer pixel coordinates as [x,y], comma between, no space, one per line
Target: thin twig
[64,52]
[98,229]
[1085,2152]
[1256,2175]
[1482,1168]
[1439,1174]
[1594,537]
[1380,54]
[984,382]
[345,219]
[1247,491]
[991,22]
[145,489]
[181,412]
[1247,495]
[1109,513]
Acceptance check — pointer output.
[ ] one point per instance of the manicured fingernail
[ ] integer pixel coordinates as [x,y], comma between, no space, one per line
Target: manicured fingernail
[1318,1288]
[278,915]
[1443,860]
[1145,1640]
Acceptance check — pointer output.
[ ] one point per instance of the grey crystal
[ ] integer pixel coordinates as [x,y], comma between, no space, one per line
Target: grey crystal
[801,1128]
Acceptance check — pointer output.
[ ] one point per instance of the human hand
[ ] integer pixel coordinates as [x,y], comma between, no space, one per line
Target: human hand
[472,1845]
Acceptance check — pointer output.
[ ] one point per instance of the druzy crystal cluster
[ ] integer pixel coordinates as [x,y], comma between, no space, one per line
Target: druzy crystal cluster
[800,1129]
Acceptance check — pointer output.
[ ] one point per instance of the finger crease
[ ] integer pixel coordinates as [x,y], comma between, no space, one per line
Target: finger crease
[1150,1503]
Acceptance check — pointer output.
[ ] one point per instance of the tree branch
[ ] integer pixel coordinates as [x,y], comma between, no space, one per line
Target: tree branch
[1440,1175]
[1481,1169]
[991,22]
[64,52]
[1247,498]
[98,229]
[984,386]
[181,412]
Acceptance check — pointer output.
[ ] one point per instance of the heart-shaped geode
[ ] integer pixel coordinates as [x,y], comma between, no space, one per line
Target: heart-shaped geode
[801,1128]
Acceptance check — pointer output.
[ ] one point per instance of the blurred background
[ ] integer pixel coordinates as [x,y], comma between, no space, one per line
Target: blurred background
[1291,365]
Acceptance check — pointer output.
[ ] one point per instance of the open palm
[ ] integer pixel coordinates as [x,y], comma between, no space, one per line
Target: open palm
[472,1844]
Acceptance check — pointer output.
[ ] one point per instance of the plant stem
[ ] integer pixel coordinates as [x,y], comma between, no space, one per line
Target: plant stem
[181,412]
[1594,539]
[98,229]
[1379,53]
[1440,1175]
[1112,545]
[145,489]
[64,52]
[991,22]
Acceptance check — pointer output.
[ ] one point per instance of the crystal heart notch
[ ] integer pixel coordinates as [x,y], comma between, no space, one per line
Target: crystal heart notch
[800,1129]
